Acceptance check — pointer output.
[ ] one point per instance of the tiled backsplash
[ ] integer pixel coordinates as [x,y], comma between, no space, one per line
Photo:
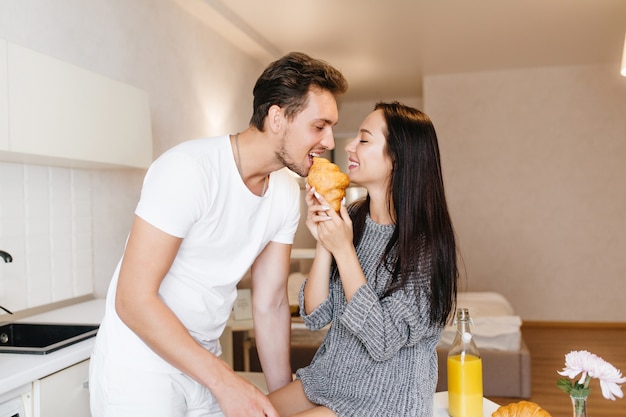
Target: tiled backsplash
[46,225]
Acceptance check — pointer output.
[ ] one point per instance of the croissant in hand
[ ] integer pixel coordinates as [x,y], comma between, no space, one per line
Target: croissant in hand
[329,181]
[521,409]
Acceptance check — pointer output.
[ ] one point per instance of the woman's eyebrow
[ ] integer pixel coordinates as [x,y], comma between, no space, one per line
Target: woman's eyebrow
[366,131]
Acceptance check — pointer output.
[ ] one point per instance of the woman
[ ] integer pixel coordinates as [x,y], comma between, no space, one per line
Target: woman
[392,284]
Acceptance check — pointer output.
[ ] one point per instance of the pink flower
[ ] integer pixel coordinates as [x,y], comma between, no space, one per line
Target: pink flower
[590,366]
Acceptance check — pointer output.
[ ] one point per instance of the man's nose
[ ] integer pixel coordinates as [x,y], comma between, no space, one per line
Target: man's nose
[329,141]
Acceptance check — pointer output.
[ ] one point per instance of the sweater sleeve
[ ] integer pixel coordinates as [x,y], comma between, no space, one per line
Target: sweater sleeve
[386,325]
[319,317]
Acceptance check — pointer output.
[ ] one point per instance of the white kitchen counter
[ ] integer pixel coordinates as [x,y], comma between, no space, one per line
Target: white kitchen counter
[17,370]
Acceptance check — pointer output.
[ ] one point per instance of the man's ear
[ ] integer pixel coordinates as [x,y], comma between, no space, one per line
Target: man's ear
[275,118]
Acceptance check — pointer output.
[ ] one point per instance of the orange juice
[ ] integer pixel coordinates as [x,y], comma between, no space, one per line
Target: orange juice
[465,386]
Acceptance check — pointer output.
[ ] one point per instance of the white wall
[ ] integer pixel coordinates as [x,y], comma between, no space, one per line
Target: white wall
[534,162]
[198,84]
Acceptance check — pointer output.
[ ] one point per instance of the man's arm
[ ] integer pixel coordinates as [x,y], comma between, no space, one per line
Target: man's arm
[272,319]
[149,254]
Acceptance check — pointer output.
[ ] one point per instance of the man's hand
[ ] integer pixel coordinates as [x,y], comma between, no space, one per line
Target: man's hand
[237,397]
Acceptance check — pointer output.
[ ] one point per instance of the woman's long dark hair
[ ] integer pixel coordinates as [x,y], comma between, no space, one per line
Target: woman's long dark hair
[423,225]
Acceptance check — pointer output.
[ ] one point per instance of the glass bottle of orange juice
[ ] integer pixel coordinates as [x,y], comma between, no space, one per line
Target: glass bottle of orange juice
[465,371]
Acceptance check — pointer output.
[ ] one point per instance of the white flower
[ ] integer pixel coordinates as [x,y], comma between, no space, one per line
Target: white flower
[590,366]
[609,377]
[578,362]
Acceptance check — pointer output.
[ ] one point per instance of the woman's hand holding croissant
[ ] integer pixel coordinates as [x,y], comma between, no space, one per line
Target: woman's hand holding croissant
[333,230]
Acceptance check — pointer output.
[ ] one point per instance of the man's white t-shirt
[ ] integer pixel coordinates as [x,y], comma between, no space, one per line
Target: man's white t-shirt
[194,191]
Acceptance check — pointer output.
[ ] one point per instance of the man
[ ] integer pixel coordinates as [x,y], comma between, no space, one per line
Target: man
[209,210]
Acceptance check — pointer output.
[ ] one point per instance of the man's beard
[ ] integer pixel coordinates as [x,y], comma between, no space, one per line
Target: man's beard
[283,156]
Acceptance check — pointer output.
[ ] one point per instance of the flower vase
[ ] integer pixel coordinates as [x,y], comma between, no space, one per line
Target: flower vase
[579,406]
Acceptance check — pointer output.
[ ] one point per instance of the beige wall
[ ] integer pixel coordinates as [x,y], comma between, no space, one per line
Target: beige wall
[535,164]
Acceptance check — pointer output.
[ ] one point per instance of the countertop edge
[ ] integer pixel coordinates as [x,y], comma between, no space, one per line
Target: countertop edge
[18,370]
[31,369]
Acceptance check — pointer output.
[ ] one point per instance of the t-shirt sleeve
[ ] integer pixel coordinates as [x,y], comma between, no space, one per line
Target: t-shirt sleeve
[291,200]
[173,194]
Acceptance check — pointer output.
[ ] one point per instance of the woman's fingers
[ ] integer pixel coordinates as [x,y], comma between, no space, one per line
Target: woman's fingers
[318,208]
[343,210]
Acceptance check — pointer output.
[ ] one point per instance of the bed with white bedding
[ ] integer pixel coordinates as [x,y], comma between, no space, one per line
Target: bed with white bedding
[495,324]
[497,333]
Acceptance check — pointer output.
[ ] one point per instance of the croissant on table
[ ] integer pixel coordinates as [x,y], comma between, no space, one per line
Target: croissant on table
[521,409]
[329,181]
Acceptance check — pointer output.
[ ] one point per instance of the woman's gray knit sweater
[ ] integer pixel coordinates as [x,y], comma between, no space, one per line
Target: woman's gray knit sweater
[378,358]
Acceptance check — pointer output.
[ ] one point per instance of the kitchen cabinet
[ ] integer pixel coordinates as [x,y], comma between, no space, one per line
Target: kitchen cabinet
[64,393]
[4,98]
[56,113]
